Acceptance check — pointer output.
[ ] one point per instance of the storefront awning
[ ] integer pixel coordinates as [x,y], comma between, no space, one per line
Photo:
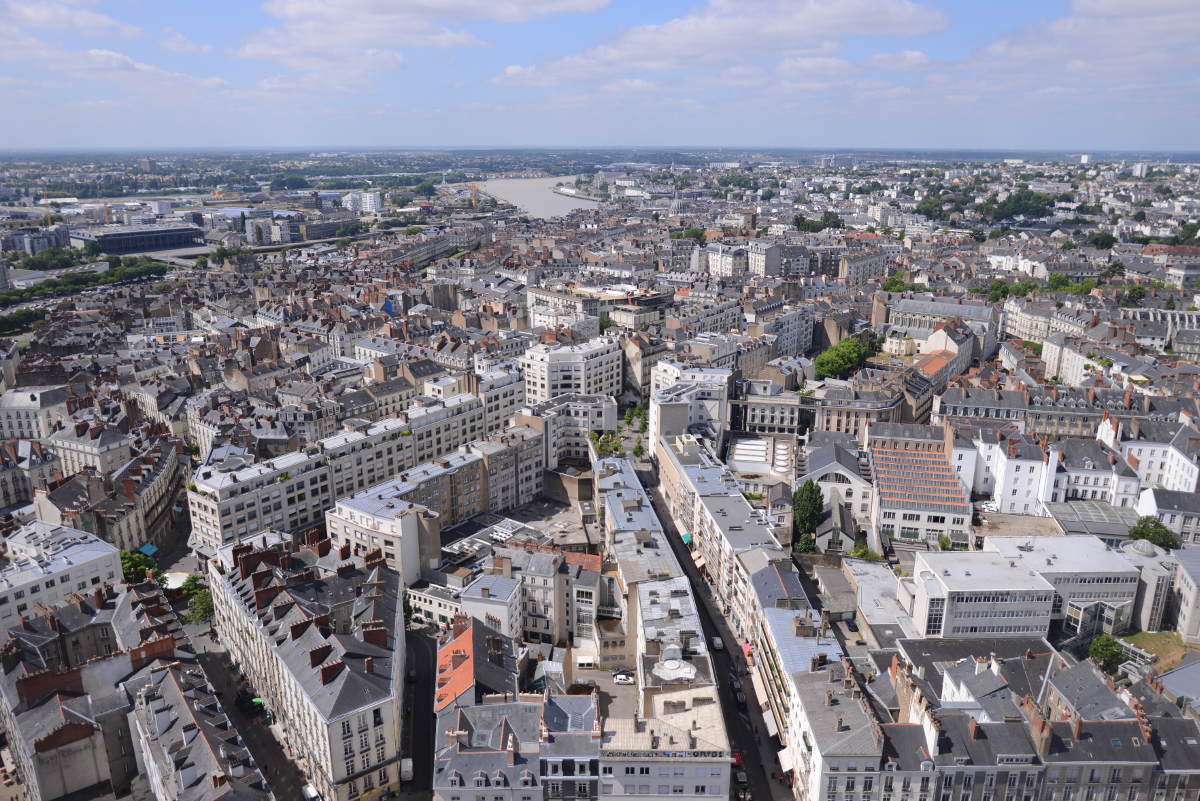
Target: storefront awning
[148,549]
[769,720]
[687,539]
[699,559]
[785,761]
[746,648]
[760,689]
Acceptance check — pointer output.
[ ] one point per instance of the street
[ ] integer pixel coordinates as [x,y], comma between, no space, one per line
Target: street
[747,732]
[419,725]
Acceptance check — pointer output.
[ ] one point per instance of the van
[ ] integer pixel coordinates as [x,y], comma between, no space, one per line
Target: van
[310,793]
[406,770]
[717,644]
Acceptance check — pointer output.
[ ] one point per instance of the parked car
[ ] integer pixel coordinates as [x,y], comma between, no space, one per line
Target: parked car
[717,644]
[737,759]
[412,675]
[622,678]
[740,779]
[740,700]
[735,686]
[851,625]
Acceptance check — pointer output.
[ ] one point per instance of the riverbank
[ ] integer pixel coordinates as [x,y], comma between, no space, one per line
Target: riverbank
[536,196]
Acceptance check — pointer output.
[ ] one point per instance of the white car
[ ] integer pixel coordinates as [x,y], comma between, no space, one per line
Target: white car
[622,678]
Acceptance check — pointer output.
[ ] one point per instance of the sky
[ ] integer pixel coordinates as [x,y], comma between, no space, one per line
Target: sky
[1071,75]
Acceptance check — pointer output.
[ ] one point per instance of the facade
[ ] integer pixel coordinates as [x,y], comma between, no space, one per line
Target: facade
[591,368]
[565,423]
[82,445]
[956,594]
[48,563]
[235,497]
[919,495]
[858,268]
[337,674]
[513,460]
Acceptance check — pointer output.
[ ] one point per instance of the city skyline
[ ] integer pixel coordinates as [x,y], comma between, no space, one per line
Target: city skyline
[591,73]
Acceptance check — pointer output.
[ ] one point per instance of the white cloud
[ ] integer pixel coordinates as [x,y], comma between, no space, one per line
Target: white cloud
[727,33]
[61,16]
[809,68]
[907,61]
[334,40]
[522,76]
[178,43]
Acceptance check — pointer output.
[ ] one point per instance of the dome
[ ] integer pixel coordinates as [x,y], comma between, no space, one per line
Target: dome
[1145,547]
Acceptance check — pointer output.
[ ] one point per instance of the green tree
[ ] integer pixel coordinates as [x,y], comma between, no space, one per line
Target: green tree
[202,263]
[193,584]
[804,543]
[895,284]
[1133,297]
[408,609]
[1170,304]
[1058,282]
[644,425]
[425,188]
[639,449]
[91,249]
[1140,216]
[865,553]
[413,230]
[842,358]
[629,417]
[134,566]
[807,505]
[1152,529]
[200,608]
[258,275]
[1101,240]
[1105,652]
[605,323]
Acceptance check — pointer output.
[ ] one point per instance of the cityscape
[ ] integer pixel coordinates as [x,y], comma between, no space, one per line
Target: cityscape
[780,401]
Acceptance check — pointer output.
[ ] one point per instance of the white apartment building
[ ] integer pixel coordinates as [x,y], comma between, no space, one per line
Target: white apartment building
[684,404]
[726,261]
[643,756]
[1020,468]
[960,594]
[1082,572]
[291,492]
[763,259]
[83,445]
[32,413]
[48,562]
[720,318]
[792,327]
[565,423]
[495,600]
[502,391]
[332,669]
[591,368]
[372,202]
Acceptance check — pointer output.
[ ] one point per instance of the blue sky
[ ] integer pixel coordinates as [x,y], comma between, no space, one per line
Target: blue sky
[1076,75]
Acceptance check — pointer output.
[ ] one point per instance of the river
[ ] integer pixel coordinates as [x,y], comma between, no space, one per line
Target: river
[534,196]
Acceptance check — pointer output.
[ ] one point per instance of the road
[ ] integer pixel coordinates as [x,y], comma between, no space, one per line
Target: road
[419,728]
[740,725]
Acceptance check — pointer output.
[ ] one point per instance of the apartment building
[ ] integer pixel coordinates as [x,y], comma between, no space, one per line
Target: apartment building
[720,318]
[762,406]
[764,259]
[495,600]
[792,327]
[726,261]
[81,445]
[919,494]
[1025,320]
[32,413]
[48,562]
[565,423]
[684,406]
[641,756]
[980,317]
[851,406]
[333,667]
[592,368]
[404,515]
[233,496]
[24,468]
[955,594]
[513,460]
[153,480]
[502,391]
[642,351]
[860,267]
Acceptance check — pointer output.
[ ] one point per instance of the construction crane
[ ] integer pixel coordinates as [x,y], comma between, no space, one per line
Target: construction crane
[474,189]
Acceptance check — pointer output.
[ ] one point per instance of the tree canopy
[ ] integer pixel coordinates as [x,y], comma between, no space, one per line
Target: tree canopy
[807,505]
[842,358]
[134,566]
[1106,653]
[1152,529]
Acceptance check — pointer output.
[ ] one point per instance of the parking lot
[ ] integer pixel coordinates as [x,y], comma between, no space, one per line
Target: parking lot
[616,700]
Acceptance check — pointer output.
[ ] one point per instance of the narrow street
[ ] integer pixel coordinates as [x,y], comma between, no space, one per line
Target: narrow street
[759,751]
[284,776]
[419,734]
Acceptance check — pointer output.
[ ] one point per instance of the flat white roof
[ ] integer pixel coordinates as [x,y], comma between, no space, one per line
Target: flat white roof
[1076,554]
[965,571]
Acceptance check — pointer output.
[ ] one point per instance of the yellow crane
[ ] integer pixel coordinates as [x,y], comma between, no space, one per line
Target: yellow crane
[474,189]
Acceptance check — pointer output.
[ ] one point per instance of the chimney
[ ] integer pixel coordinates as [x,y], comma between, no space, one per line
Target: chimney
[129,488]
[484,592]
[837,724]
[980,666]
[317,655]
[1078,729]
[828,697]
[329,672]
[369,664]
[377,635]
[974,728]
[187,774]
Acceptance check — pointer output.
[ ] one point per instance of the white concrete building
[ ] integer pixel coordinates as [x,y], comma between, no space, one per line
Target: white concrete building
[48,563]
[956,594]
[592,368]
